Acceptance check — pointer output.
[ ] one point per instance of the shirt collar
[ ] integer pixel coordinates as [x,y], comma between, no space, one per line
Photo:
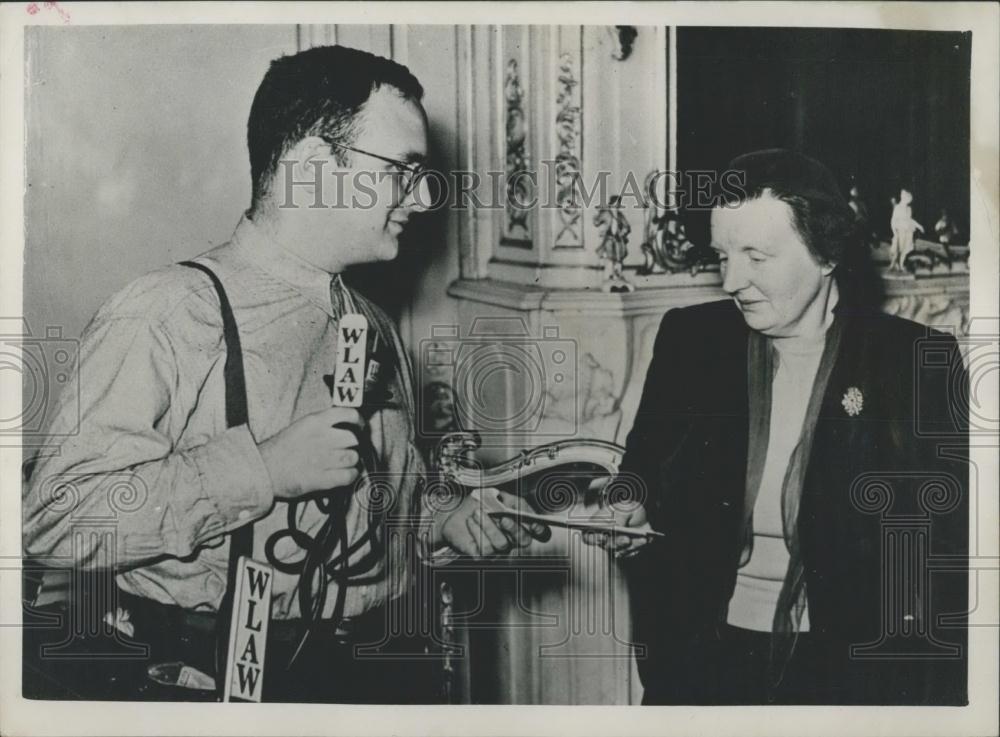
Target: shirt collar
[259,247]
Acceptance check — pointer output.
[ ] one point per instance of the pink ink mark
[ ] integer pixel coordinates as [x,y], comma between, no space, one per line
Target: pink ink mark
[33,9]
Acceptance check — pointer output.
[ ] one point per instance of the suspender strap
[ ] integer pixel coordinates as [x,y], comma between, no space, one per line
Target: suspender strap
[241,540]
[236,385]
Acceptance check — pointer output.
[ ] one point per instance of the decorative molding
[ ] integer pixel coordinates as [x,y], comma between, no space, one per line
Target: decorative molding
[517,159]
[568,133]
[940,310]
[623,38]
[956,285]
[446,604]
[479,142]
[665,246]
[931,301]
[615,230]
[315,34]
[591,302]
[399,44]
[593,407]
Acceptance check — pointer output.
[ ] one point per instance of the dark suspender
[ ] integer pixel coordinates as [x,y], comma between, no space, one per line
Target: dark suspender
[241,540]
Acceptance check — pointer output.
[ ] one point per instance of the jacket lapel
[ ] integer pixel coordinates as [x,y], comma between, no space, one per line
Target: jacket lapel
[724,423]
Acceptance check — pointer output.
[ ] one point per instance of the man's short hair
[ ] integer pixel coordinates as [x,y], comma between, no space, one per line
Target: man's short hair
[820,215]
[319,91]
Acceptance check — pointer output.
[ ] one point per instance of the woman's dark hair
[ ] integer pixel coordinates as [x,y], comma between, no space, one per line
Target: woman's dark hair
[820,215]
[319,92]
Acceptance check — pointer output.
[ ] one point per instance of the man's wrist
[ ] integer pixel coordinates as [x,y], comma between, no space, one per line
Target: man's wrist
[433,547]
[265,449]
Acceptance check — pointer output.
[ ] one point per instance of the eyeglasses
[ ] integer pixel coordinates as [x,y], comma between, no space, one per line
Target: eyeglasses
[410,173]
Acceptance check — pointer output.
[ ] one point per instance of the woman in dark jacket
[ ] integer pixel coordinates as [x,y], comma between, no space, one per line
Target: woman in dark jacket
[806,457]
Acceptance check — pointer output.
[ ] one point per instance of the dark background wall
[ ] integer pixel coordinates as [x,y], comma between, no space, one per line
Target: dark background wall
[883,109]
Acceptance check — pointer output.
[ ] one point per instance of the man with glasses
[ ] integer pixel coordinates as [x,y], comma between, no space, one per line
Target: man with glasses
[220,457]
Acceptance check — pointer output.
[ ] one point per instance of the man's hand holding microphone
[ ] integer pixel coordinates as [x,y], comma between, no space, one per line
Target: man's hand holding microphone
[315,453]
[319,452]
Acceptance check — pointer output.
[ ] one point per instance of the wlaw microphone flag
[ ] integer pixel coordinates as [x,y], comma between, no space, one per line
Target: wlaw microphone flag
[349,373]
[248,631]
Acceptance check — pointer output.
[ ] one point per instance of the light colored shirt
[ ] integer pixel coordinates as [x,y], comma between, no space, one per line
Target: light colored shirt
[153,457]
[758,583]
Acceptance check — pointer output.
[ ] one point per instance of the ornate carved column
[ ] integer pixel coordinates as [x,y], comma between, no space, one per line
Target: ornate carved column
[543,110]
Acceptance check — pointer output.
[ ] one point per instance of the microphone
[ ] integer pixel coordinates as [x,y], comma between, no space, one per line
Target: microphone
[349,386]
[350,375]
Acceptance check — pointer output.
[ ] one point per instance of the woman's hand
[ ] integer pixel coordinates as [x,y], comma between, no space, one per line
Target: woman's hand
[623,546]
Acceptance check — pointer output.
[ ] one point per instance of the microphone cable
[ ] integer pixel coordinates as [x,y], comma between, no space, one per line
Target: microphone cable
[328,554]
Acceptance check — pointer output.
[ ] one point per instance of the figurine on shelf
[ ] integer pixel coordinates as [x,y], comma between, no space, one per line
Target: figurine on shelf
[947,233]
[622,38]
[903,227]
[614,245]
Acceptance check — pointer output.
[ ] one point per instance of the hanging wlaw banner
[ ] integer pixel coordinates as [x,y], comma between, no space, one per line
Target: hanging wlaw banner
[349,374]
[248,631]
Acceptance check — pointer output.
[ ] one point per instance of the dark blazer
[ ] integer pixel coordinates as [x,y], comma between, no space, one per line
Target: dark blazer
[892,478]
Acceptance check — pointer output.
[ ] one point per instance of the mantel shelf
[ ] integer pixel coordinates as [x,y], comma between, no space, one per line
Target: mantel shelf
[654,294]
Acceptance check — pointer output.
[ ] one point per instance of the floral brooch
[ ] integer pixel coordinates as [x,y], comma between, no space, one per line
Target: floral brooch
[121,621]
[853,401]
